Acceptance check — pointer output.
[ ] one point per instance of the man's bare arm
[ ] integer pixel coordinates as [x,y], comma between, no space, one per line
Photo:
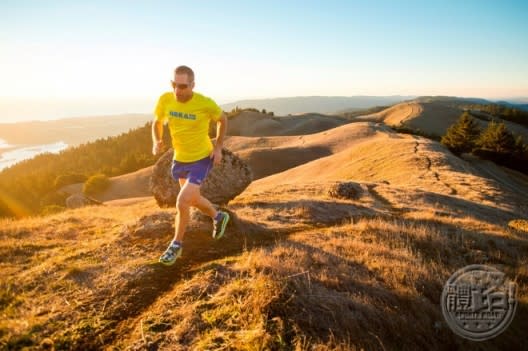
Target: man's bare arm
[157,137]
[221,129]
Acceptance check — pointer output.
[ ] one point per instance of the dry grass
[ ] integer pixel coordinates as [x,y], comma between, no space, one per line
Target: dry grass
[373,284]
[53,268]
[519,224]
[300,269]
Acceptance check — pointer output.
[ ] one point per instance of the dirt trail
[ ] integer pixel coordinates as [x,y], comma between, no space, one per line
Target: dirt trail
[452,190]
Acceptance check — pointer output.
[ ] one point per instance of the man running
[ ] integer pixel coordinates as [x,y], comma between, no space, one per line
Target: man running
[188,114]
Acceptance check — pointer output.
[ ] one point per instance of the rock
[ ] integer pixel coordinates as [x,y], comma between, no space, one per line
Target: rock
[80,200]
[154,224]
[346,190]
[223,183]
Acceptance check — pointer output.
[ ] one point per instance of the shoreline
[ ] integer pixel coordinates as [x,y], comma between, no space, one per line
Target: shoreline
[13,154]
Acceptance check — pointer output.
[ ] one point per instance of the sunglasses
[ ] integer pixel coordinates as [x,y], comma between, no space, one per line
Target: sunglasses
[179,86]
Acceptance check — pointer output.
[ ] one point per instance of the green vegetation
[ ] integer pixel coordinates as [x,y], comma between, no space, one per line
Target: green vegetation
[363,112]
[501,111]
[499,145]
[497,138]
[462,136]
[237,110]
[495,143]
[29,186]
[96,184]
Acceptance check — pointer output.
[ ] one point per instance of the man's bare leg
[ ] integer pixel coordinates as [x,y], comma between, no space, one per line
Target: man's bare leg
[205,206]
[190,196]
[220,218]
[182,218]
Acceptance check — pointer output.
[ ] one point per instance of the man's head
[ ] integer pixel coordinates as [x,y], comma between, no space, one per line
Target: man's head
[183,83]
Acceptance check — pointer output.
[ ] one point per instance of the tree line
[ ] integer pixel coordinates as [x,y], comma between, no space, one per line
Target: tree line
[495,142]
[505,112]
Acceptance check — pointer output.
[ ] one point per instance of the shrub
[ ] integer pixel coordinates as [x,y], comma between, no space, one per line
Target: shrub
[499,145]
[96,184]
[497,138]
[463,135]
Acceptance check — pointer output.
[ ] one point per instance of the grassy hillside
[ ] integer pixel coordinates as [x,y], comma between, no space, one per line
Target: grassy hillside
[298,270]
[433,115]
[303,266]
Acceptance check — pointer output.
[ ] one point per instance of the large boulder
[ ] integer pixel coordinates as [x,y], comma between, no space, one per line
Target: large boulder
[224,182]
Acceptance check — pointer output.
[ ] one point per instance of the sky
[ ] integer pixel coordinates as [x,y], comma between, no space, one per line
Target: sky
[92,57]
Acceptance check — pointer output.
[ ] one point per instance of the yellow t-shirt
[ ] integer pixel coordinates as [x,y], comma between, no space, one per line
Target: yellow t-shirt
[188,124]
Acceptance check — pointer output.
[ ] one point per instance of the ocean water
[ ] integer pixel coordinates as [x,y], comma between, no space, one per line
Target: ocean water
[3,145]
[12,154]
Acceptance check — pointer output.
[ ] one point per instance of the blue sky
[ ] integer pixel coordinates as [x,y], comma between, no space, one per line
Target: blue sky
[126,50]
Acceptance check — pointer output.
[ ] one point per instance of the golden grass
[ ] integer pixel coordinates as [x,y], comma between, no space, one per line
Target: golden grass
[375,284]
[299,270]
[519,224]
[52,265]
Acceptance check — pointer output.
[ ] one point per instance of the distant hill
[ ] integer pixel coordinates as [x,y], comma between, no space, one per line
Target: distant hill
[72,131]
[317,104]
[517,103]
[452,100]
[251,123]
[521,104]
[432,115]
[518,100]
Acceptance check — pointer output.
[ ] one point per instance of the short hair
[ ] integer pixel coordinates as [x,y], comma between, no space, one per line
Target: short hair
[184,70]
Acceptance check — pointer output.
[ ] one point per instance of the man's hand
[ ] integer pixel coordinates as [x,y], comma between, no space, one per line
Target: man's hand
[157,147]
[216,155]
[221,127]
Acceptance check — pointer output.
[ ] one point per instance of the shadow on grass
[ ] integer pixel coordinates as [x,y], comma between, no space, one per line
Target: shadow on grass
[323,312]
[360,311]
